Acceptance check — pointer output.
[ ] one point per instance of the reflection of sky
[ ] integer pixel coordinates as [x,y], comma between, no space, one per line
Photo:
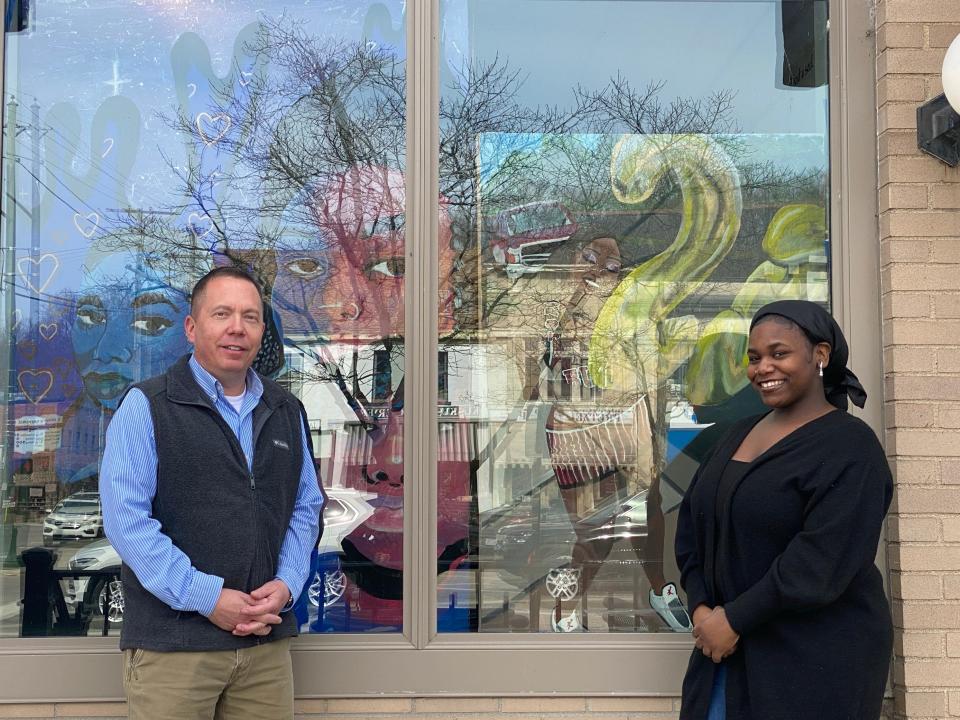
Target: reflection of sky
[110,61]
[795,151]
[695,46]
[110,47]
[103,72]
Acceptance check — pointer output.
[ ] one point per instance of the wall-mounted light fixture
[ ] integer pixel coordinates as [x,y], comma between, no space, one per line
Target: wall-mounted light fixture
[938,124]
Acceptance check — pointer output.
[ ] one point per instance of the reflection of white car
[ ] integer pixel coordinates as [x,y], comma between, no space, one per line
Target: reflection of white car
[104,593]
[76,517]
[345,510]
[343,513]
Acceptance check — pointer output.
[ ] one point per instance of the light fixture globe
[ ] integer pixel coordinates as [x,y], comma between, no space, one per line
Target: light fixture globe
[950,74]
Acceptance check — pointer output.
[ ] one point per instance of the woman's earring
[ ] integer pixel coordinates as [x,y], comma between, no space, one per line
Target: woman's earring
[820,367]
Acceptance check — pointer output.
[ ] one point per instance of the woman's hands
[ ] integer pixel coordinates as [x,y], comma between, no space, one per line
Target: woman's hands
[712,632]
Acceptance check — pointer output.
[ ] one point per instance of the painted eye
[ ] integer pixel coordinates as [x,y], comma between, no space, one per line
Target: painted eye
[152,325]
[589,256]
[393,268]
[305,267]
[613,266]
[89,316]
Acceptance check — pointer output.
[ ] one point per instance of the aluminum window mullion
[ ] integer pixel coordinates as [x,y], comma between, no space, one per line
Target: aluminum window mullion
[420,314]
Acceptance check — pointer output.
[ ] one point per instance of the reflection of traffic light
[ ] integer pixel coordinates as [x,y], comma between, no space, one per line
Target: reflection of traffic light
[803,26]
[17,16]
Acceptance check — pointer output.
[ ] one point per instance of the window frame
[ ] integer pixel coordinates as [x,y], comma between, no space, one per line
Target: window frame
[420,661]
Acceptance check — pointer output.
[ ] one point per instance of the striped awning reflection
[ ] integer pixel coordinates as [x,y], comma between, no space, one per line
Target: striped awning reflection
[456,442]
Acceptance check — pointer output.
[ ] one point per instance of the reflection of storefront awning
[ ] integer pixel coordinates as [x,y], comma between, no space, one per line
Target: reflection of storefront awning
[456,442]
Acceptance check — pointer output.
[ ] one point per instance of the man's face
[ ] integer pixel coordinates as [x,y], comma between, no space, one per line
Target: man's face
[226,328]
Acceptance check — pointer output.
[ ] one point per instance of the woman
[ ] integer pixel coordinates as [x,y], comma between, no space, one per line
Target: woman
[777,536]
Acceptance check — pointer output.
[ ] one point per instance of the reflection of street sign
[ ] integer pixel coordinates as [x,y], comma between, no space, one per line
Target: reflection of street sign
[443,411]
[30,421]
[29,441]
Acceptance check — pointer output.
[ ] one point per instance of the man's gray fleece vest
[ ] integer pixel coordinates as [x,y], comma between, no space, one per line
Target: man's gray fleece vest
[229,521]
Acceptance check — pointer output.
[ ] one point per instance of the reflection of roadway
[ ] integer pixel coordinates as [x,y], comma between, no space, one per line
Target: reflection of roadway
[615,602]
[31,535]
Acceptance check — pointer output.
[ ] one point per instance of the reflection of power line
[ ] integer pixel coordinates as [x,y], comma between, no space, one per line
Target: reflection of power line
[51,190]
[91,186]
[66,144]
[42,298]
[79,152]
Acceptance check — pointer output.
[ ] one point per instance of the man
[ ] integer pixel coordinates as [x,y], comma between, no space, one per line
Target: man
[211,499]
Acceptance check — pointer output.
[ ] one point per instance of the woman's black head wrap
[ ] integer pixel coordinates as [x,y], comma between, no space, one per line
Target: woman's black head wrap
[839,382]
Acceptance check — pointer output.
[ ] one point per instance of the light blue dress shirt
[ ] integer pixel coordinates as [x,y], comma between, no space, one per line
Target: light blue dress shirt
[128,484]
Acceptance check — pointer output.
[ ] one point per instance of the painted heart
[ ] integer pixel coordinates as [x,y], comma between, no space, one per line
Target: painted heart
[62,368]
[35,384]
[17,317]
[48,331]
[27,348]
[108,145]
[47,266]
[200,225]
[193,89]
[245,77]
[88,228]
[213,128]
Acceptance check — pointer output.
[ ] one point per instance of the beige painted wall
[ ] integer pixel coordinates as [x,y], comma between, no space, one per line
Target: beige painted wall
[919,225]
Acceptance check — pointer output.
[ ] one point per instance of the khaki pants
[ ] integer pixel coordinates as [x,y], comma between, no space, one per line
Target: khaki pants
[254,682]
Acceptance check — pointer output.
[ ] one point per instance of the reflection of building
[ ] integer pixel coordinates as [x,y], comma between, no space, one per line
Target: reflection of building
[37,437]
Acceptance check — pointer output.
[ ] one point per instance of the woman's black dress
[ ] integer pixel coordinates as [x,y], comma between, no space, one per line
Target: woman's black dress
[791,559]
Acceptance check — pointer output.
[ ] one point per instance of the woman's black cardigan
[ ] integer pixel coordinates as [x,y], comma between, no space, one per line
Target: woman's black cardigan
[795,573]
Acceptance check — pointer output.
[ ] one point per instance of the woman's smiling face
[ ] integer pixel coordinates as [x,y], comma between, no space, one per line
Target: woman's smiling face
[782,362]
[128,326]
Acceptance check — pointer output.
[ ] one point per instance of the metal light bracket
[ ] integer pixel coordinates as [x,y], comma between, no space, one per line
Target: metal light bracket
[938,130]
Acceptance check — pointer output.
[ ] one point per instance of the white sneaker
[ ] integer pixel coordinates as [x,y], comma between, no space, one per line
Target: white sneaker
[571,623]
[670,609]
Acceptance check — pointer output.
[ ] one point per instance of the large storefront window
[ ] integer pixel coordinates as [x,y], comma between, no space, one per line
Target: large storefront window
[145,143]
[625,184]
[622,183]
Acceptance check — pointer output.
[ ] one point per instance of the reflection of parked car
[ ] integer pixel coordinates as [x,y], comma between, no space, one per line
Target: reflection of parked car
[345,509]
[104,593]
[343,512]
[541,548]
[76,517]
[526,235]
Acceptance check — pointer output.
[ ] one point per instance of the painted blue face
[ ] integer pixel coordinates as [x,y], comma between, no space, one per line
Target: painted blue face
[128,326]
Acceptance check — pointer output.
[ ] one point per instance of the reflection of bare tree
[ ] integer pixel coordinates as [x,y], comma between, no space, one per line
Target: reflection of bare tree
[271,195]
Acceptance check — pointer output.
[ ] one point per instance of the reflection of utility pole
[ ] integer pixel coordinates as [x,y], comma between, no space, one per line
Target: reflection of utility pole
[8,387]
[35,136]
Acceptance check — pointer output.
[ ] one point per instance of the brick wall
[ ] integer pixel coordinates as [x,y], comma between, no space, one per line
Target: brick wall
[919,202]
[414,709]
[590,708]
